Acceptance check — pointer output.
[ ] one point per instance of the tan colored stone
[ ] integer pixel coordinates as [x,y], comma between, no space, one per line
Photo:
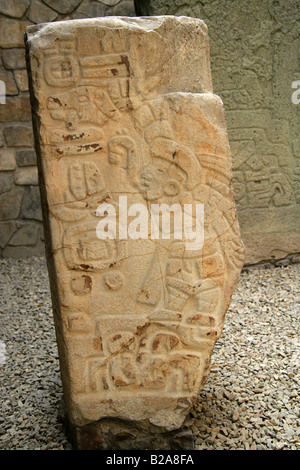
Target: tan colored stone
[125,107]
[10,203]
[14,59]
[14,8]
[18,136]
[31,204]
[110,3]
[26,235]
[22,251]
[7,160]
[16,108]
[63,6]
[6,181]
[89,9]
[26,176]
[126,8]
[40,13]
[21,79]
[26,157]
[8,79]
[7,229]
[12,33]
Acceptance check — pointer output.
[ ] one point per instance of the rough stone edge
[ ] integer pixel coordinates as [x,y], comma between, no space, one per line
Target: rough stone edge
[269,263]
[137,23]
[118,434]
[45,216]
[98,435]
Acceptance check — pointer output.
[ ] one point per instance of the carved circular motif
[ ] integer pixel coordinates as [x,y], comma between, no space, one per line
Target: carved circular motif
[61,71]
[113,280]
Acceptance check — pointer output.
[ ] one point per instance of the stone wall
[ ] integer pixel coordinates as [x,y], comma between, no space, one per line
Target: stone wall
[21,231]
[255,61]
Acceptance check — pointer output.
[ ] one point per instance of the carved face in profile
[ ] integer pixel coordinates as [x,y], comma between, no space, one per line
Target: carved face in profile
[161,179]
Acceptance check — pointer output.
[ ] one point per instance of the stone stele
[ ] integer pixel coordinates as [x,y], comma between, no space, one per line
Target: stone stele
[124,106]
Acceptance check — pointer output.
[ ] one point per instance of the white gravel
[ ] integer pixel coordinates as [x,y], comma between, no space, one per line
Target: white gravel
[250,400]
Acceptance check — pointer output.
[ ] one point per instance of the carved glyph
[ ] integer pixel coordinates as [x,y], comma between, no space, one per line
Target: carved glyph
[137,318]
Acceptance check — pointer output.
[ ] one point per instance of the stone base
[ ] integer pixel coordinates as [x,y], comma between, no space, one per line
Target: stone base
[117,434]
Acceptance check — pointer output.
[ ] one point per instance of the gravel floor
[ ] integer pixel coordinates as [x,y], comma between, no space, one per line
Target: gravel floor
[251,398]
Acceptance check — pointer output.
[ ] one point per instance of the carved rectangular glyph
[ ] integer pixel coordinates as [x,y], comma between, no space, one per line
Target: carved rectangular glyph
[119,129]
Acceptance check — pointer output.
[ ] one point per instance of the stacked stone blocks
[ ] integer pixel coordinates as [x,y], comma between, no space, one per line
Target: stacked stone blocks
[21,231]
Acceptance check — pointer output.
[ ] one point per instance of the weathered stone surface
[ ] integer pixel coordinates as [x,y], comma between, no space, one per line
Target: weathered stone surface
[253,73]
[31,204]
[40,13]
[125,107]
[92,9]
[14,8]
[12,33]
[26,235]
[125,8]
[10,203]
[18,136]
[21,79]
[110,3]
[26,157]
[14,59]
[17,108]
[120,435]
[8,79]
[7,160]
[89,9]
[6,181]
[62,6]
[23,251]
[7,229]
[26,176]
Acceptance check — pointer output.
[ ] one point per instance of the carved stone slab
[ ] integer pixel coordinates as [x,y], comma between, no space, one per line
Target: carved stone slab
[124,107]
